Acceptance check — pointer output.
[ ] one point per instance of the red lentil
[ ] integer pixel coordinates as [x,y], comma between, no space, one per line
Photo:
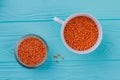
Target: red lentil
[58,54]
[57,61]
[55,56]
[31,51]
[62,58]
[58,58]
[81,33]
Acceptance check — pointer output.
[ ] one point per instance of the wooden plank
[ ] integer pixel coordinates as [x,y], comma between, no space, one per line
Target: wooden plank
[20,17]
[50,31]
[64,70]
[37,10]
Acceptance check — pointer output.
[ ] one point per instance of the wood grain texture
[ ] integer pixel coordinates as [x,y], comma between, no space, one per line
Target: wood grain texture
[21,17]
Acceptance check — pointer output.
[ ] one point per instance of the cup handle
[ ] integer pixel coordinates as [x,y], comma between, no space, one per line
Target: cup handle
[58,20]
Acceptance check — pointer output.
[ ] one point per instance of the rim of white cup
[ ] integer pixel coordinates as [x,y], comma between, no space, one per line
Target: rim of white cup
[18,43]
[100,33]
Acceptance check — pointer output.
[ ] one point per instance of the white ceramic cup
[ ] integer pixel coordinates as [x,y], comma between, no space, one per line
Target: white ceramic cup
[100,32]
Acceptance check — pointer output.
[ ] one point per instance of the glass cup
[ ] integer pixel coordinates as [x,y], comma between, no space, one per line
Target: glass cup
[18,43]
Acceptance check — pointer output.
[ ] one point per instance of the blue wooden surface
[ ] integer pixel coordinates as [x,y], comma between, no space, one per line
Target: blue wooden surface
[20,17]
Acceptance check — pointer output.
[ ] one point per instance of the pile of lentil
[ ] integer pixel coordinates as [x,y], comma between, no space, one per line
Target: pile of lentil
[81,33]
[32,51]
[58,58]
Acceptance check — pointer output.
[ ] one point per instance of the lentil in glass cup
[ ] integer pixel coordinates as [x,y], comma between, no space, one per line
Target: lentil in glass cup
[18,44]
